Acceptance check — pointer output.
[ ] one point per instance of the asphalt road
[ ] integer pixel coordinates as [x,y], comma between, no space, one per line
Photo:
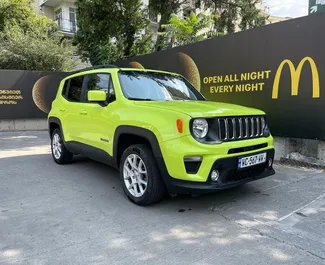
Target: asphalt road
[78,214]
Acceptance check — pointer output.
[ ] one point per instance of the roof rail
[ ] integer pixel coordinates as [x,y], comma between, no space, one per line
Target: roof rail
[93,68]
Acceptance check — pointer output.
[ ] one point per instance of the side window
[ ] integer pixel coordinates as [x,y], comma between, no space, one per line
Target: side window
[100,82]
[65,87]
[74,93]
[111,92]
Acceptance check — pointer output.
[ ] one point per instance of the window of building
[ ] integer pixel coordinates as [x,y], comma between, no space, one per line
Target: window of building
[74,93]
[58,17]
[72,19]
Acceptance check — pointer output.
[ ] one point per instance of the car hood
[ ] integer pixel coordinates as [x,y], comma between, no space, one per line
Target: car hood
[202,108]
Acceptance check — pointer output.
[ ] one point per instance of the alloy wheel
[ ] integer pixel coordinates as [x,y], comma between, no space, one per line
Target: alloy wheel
[135,175]
[56,146]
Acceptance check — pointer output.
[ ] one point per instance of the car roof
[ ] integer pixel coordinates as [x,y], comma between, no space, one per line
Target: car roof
[148,70]
[106,67]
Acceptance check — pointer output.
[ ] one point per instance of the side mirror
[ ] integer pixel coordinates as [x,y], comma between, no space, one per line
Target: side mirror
[96,96]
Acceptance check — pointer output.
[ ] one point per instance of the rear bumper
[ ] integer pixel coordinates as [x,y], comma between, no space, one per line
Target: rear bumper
[229,177]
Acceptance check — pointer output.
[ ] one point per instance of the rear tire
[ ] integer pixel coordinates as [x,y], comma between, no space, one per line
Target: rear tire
[60,153]
[140,177]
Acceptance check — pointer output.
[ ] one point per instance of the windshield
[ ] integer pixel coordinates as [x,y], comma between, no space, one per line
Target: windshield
[138,85]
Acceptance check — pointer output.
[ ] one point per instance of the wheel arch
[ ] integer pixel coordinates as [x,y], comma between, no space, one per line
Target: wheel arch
[151,138]
[139,134]
[53,123]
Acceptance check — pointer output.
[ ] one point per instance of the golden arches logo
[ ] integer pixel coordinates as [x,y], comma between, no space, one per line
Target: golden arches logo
[295,77]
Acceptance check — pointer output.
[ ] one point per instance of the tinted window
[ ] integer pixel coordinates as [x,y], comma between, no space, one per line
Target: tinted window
[65,87]
[101,82]
[111,92]
[157,86]
[74,93]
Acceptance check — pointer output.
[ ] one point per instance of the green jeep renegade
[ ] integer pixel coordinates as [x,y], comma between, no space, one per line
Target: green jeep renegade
[159,131]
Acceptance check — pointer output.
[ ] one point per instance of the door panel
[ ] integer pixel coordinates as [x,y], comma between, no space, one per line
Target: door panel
[71,109]
[97,130]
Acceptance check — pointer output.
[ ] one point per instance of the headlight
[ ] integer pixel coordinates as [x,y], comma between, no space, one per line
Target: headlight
[200,128]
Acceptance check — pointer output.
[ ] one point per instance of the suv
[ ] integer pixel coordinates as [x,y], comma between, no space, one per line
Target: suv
[159,131]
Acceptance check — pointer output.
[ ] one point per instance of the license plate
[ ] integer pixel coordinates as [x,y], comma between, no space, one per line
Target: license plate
[249,161]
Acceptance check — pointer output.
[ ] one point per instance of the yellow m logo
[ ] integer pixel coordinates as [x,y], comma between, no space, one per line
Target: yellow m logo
[295,77]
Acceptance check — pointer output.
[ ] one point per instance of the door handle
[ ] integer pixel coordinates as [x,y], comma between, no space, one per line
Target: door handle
[83,113]
[62,110]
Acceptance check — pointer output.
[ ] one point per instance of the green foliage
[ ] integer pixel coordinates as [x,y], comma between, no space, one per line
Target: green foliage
[194,28]
[21,13]
[21,50]
[250,16]
[231,11]
[110,30]
[226,14]
[29,41]
[165,8]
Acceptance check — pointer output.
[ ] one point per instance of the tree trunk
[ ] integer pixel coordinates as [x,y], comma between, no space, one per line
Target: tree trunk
[164,20]
[129,42]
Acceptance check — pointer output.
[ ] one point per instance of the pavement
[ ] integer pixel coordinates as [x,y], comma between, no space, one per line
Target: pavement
[78,214]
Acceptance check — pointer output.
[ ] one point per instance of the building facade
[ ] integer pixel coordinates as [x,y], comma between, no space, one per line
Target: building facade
[63,12]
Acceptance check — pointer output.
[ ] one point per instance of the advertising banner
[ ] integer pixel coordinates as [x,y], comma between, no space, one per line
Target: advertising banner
[27,94]
[279,68]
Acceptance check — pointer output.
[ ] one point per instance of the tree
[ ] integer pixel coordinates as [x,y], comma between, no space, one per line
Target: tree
[230,11]
[29,41]
[226,13]
[194,28]
[251,17]
[110,30]
[165,8]
[21,13]
[21,50]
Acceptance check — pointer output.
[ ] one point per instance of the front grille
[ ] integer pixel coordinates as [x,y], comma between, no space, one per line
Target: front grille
[247,148]
[237,128]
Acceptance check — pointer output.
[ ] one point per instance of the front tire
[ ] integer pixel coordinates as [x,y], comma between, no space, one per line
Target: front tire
[140,176]
[60,153]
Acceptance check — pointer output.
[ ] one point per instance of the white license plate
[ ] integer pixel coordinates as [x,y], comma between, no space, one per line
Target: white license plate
[249,161]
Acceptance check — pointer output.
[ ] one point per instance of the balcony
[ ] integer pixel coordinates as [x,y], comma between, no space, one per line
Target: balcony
[67,27]
[55,3]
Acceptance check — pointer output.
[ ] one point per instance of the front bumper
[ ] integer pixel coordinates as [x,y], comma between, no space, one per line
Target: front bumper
[223,157]
[230,176]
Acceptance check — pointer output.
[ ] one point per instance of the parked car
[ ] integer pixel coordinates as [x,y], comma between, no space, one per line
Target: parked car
[159,131]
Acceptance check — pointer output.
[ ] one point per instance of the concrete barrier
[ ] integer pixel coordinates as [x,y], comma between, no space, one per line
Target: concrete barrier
[23,125]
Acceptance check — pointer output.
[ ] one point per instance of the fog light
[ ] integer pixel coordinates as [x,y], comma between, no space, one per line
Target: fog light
[270,162]
[214,175]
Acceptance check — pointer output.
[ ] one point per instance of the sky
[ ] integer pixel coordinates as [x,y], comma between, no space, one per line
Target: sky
[287,8]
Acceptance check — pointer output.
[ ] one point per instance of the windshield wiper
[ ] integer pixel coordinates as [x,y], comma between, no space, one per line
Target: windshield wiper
[143,99]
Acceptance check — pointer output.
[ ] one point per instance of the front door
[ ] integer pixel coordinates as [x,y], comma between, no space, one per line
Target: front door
[97,130]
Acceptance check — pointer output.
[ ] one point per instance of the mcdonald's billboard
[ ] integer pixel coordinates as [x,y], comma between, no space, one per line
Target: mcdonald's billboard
[279,68]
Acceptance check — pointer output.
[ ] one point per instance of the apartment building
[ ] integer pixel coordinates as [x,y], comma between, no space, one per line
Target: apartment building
[63,12]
